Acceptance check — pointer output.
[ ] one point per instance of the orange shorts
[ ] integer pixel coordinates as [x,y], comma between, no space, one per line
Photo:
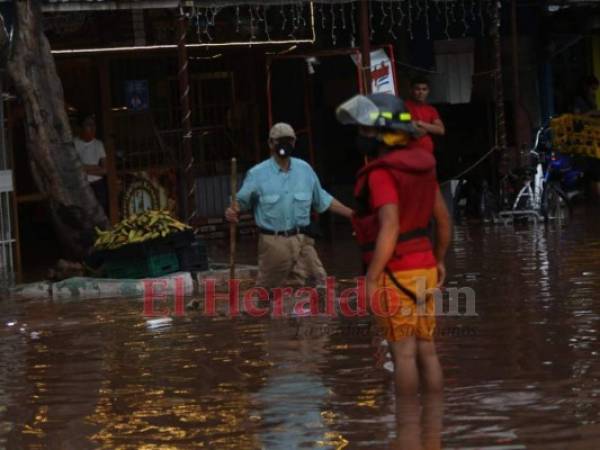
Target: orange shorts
[398,315]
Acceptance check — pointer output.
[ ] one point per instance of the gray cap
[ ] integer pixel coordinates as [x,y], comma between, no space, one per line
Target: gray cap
[281,130]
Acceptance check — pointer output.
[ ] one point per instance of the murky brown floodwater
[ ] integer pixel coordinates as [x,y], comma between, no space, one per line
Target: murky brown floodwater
[525,373]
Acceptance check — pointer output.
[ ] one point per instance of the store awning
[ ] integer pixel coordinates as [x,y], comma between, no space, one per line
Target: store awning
[103,5]
[107,5]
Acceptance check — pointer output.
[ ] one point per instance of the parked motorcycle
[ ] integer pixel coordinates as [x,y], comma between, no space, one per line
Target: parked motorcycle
[564,171]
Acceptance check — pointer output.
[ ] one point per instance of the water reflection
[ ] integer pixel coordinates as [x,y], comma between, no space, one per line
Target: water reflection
[97,374]
[419,423]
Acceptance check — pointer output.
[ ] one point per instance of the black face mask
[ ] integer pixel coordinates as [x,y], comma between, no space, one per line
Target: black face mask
[368,146]
[284,149]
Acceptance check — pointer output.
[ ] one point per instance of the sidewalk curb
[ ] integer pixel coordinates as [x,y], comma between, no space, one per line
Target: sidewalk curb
[85,288]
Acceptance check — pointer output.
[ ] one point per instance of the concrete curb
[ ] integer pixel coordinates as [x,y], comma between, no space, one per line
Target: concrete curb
[37,290]
[84,288]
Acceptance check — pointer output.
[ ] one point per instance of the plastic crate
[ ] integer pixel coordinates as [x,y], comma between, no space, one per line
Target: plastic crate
[194,257]
[157,246]
[142,267]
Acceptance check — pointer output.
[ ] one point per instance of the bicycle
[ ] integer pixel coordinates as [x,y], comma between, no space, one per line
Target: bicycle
[540,197]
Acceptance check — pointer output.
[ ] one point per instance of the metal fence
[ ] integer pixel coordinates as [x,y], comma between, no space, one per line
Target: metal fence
[7,239]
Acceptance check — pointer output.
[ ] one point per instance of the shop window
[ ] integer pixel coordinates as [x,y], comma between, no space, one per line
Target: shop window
[453,81]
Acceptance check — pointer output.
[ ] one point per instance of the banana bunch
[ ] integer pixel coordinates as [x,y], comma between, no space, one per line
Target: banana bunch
[139,228]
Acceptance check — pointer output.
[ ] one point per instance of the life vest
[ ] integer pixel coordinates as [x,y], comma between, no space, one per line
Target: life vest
[413,171]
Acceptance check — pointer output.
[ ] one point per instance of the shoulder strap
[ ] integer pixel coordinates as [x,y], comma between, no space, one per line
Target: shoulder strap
[404,289]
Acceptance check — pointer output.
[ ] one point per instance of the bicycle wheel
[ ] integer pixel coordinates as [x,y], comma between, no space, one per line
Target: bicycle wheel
[555,204]
[524,200]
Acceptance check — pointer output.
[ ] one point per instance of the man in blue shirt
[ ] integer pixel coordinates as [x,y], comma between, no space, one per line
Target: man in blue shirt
[281,191]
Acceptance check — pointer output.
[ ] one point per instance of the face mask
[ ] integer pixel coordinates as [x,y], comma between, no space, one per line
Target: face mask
[284,149]
[368,146]
[397,139]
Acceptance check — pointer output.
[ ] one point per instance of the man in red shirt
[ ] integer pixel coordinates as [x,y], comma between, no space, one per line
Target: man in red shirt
[397,196]
[425,117]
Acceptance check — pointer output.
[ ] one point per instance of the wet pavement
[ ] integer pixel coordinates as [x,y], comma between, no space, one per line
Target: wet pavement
[524,373]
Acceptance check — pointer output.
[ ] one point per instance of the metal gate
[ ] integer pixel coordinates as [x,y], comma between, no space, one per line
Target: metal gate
[7,208]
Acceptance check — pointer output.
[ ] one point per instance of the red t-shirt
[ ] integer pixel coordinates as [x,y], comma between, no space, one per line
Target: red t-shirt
[383,192]
[427,114]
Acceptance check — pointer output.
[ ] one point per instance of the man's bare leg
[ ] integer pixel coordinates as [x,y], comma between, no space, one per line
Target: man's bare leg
[406,375]
[431,370]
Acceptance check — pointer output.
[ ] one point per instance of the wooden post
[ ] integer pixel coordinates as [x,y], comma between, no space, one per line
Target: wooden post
[499,87]
[308,90]
[189,206]
[515,78]
[365,45]
[232,225]
[109,144]
[253,103]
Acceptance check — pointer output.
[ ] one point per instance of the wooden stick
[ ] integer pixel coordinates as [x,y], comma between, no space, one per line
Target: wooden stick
[232,225]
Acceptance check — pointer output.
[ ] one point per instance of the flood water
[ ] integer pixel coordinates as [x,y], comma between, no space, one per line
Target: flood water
[522,374]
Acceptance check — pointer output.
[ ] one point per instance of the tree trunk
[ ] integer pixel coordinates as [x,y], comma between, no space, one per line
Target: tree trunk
[55,164]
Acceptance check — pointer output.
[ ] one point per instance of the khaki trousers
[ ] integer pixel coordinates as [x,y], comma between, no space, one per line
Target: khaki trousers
[288,261]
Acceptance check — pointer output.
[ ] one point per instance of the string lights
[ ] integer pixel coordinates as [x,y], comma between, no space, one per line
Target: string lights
[197,21]
[393,18]
[427,28]
[266,23]
[252,33]
[383,14]
[371,21]
[353,18]
[410,20]
[418,8]
[283,18]
[481,20]
[392,23]
[323,18]
[401,11]
[446,19]
[333,26]
[464,18]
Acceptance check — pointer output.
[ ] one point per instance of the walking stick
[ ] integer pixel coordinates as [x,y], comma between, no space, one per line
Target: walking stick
[232,225]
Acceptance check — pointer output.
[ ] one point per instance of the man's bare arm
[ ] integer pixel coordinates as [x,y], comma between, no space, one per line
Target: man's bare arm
[443,229]
[99,170]
[386,241]
[341,209]
[437,127]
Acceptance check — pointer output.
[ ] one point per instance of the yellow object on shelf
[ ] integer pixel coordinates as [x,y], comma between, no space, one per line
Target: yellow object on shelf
[576,134]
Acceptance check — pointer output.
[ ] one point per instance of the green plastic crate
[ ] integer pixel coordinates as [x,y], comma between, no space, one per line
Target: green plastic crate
[147,267]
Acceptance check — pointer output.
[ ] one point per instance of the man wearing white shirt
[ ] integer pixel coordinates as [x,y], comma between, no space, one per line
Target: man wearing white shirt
[93,157]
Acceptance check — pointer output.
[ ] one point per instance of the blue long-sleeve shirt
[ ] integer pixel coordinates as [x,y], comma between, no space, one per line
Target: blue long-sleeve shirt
[282,200]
